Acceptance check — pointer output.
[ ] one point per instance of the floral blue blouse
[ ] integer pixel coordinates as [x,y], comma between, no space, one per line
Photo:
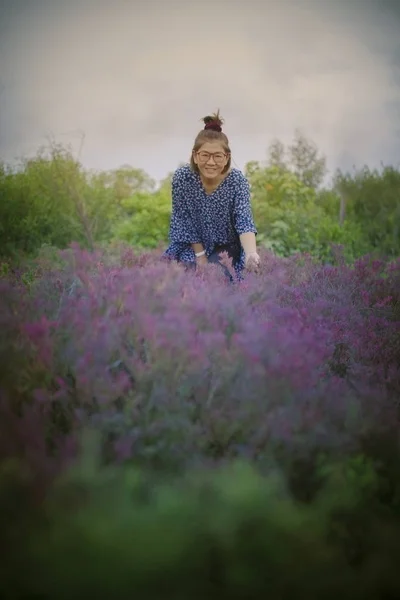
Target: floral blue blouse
[214,219]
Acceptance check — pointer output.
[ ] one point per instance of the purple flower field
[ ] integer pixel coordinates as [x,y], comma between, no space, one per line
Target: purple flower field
[177,368]
[178,371]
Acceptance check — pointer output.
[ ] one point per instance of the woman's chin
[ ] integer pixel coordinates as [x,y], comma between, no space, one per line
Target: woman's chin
[210,173]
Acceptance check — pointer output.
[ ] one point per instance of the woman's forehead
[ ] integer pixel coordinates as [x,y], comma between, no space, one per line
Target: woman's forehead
[212,147]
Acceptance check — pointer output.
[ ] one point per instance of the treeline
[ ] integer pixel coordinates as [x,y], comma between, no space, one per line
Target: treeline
[52,200]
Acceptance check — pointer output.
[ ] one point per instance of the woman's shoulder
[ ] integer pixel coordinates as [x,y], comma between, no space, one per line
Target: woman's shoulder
[183,173]
[238,178]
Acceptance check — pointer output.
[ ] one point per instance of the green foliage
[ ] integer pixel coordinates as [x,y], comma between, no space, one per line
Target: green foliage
[290,219]
[124,182]
[52,200]
[309,167]
[294,214]
[372,200]
[146,224]
[229,533]
[45,203]
[301,158]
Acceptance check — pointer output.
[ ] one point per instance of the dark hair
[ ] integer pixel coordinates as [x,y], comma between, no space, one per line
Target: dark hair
[212,132]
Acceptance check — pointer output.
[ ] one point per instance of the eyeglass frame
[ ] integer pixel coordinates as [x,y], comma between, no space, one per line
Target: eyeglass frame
[211,154]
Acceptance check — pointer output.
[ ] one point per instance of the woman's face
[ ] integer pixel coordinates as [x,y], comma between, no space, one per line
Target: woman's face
[211,159]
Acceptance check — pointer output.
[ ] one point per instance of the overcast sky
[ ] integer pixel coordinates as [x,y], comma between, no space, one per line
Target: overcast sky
[137,75]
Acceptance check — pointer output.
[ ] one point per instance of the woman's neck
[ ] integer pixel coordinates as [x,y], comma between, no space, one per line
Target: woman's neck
[211,184]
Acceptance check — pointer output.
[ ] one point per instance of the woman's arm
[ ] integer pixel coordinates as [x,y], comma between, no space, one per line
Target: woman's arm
[198,247]
[182,228]
[248,241]
[244,224]
[243,217]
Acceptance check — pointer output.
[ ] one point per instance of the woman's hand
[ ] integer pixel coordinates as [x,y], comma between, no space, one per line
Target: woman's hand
[202,260]
[252,261]
[251,257]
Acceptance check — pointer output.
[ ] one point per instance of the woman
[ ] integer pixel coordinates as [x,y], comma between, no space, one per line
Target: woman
[211,210]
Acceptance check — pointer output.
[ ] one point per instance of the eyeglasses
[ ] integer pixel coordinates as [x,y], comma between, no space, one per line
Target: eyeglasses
[218,157]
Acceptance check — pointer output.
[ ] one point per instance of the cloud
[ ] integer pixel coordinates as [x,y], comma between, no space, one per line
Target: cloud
[137,77]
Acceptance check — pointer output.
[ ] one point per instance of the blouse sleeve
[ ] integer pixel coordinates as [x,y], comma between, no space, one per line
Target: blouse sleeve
[182,228]
[243,215]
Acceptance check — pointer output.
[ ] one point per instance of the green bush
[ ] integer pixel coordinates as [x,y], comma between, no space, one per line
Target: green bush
[291,219]
[227,533]
[52,200]
[146,224]
[372,200]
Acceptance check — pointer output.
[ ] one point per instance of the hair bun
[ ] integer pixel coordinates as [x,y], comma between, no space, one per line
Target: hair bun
[213,122]
[214,125]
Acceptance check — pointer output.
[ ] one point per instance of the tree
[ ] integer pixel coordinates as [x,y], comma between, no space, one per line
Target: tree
[306,162]
[301,158]
[125,181]
[276,155]
[372,200]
